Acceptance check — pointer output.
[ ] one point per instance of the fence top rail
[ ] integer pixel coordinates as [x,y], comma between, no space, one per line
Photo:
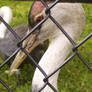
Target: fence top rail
[66,1]
[76,1]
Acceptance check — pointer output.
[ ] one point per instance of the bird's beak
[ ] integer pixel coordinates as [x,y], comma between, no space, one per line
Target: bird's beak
[30,43]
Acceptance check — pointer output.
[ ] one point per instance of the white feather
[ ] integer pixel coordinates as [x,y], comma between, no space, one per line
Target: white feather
[6,13]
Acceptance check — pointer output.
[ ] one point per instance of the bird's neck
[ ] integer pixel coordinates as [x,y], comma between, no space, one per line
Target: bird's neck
[54,56]
[6,13]
[60,46]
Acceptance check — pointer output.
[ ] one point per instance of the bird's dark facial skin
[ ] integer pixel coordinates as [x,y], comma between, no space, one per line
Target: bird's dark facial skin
[39,19]
[33,22]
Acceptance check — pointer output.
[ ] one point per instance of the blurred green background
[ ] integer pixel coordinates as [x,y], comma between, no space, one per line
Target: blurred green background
[74,77]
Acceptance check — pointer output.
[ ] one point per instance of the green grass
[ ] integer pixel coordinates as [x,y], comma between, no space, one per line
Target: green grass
[20,11]
[74,77]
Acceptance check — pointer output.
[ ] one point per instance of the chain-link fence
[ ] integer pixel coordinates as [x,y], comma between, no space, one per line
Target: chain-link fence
[20,41]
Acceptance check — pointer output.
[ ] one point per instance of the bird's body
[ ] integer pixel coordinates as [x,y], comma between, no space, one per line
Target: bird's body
[8,43]
[72,18]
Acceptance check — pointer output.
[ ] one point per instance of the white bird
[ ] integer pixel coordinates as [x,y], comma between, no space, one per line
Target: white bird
[72,18]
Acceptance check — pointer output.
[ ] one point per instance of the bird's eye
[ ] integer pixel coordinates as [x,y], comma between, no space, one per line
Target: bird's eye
[39,19]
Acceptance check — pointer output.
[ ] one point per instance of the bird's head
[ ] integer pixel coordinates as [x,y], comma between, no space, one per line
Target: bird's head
[36,15]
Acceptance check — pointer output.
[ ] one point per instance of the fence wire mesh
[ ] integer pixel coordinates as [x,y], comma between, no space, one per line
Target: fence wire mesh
[20,41]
